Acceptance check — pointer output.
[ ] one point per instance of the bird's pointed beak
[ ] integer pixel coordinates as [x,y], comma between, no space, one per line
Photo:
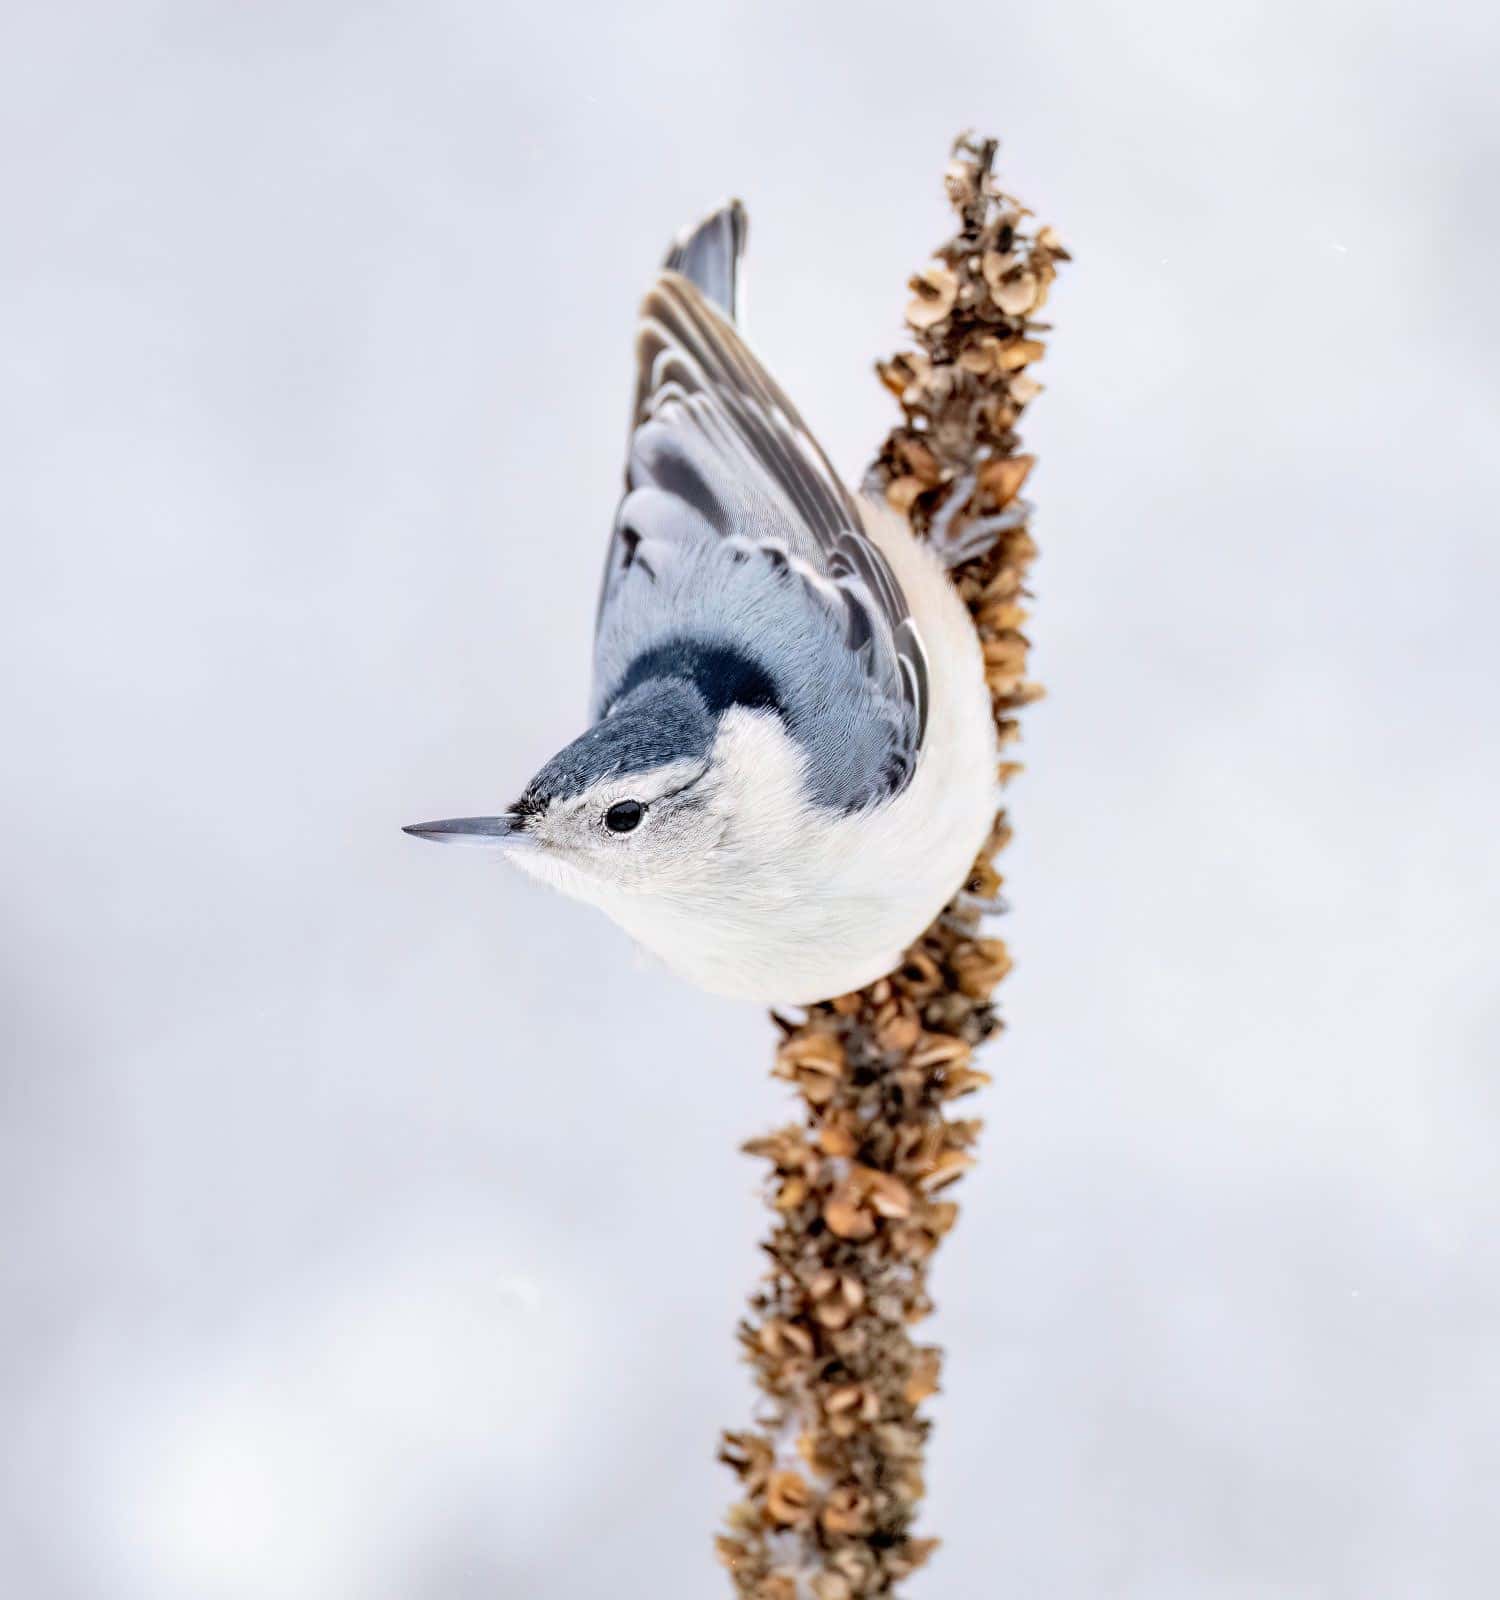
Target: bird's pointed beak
[489,833]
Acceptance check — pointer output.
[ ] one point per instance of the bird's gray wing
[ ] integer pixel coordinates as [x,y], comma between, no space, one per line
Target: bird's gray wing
[719,455]
[708,255]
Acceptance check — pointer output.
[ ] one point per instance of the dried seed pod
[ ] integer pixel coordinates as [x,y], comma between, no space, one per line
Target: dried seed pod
[919,975]
[921,462]
[925,1372]
[1016,295]
[887,1195]
[811,1052]
[1019,353]
[940,1217]
[846,1214]
[898,1031]
[1000,480]
[913,1553]
[836,1137]
[995,264]
[814,1062]
[959,1081]
[846,1510]
[857,1565]
[948,1166]
[1024,388]
[936,290]
[845,1398]
[902,492]
[788,1499]
[744,1516]
[979,965]
[833,1313]
[942,1049]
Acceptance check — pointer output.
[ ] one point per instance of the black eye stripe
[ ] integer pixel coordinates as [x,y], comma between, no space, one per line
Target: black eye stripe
[623,816]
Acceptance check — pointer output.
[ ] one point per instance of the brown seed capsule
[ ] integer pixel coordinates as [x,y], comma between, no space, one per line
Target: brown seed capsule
[959,1081]
[921,461]
[914,1243]
[857,1565]
[833,1313]
[1002,478]
[811,1052]
[887,1194]
[979,966]
[995,264]
[919,974]
[844,1398]
[836,1138]
[913,1553]
[1003,615]
[1020,353]
[901,492]
[1024,389]
[936,290]
[814,1061]
[846,1217]
[788,1499]
[744,1516]
[940,1216]
[798,1337]
[898,1032]
[1016,295]
[923,1380]
[948,1166]
[943,1049]
[732,1552]
[845,1511]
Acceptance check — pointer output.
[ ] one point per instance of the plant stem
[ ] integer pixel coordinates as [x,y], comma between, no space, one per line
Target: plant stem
[831,1475]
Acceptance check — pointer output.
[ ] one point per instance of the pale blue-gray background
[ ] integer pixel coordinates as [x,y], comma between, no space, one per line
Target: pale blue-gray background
[372,1223]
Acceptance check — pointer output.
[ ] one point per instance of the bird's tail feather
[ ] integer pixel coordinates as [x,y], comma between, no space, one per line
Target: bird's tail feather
[709,255]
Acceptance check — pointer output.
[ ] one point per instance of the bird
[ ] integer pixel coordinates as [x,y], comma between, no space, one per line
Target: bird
[791,762]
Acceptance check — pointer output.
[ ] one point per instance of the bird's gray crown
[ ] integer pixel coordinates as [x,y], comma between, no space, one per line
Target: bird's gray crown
[652,725]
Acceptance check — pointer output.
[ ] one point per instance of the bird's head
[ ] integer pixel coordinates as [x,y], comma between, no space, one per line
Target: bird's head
[636,805]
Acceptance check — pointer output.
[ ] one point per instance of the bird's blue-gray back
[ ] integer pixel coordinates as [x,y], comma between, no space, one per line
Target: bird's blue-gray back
[735,534]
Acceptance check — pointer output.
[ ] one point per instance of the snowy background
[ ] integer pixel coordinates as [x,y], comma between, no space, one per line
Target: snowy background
[372,1223]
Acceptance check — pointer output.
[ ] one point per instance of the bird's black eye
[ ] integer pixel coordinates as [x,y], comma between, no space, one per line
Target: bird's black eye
[623,815]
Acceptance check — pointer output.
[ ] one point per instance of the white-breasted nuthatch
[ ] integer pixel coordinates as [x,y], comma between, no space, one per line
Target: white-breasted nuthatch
[792,764]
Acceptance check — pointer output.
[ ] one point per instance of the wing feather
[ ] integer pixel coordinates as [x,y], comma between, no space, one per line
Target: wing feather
[713,432]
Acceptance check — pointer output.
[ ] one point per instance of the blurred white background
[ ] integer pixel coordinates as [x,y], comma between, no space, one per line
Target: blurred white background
[372,1222]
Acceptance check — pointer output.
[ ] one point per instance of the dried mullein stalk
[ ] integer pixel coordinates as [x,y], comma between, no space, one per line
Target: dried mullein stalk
[831,1478]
